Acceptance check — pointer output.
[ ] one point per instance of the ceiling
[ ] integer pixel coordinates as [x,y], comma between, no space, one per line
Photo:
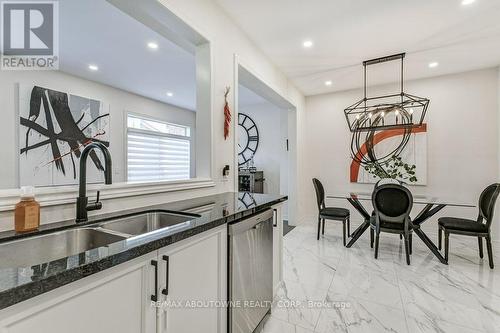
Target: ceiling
[346,32]
[117,44]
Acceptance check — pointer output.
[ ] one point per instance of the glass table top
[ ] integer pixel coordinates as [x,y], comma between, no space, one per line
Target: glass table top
[424,199]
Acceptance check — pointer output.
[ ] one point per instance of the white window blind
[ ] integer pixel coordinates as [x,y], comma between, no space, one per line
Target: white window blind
[157,151]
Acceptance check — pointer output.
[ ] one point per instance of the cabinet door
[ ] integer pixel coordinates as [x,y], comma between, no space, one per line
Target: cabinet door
[114,300]
[277,246]
[194,273]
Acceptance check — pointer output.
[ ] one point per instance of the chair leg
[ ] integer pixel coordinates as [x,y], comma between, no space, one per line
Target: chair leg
[490,251]
[348,226]
[446,245]
[440,236]
[480,242]
[343,230]
[319,226]
[376,244]
[407,248]
[323,231]
[371,237]
[410,242]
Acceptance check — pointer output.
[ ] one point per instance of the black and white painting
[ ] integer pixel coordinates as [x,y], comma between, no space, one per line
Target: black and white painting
[54,127]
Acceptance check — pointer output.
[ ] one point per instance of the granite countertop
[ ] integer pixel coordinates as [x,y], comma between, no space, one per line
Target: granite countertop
[18,284]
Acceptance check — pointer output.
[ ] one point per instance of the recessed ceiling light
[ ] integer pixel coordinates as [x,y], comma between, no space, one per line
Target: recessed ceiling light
[307,44]
[153,45]
[328,83]
[93,67]
[433,64]
[467,2]
[170,94]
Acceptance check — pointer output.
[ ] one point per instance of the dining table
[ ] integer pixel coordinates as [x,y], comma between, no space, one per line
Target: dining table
[431,206]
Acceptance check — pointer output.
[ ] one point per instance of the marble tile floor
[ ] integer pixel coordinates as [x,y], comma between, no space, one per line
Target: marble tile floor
[329,288]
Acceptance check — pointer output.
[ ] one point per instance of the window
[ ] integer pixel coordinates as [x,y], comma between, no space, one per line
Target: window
[157,150]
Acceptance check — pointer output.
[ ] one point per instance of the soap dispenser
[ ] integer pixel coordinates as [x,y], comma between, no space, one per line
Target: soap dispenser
[27,212]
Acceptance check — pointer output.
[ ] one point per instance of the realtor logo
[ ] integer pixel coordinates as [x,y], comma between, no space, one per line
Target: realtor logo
[29,35]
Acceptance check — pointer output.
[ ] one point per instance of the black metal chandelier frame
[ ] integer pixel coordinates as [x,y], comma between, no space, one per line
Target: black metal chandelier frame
[371,113]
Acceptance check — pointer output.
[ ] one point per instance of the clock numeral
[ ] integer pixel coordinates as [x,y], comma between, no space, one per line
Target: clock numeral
[252,140]
[242,123]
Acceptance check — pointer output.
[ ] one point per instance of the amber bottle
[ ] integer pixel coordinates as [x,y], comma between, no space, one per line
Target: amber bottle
[27,212]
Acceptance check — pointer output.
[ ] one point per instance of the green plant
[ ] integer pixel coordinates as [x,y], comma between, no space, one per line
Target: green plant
[394,168]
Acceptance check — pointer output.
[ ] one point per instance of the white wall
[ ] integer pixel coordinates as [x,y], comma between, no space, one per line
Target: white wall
[286,116]
[117,101]
[497,210]
[268,155]
[462,147]
[227,40]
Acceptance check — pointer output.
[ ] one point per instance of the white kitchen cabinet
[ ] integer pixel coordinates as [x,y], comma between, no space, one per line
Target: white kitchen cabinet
[277,246]
[114,300]
[194,273]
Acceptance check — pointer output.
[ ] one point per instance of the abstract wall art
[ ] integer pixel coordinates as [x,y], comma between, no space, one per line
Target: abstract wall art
[54,127]
[410,166]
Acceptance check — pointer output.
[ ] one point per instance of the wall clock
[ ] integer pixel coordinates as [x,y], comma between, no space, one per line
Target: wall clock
[248,138]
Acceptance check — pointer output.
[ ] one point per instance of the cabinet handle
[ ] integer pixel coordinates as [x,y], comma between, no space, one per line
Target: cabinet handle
[165,291]
[154,297]
[275,218]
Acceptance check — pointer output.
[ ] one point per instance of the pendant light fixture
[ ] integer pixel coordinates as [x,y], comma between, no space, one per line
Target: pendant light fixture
[399,111]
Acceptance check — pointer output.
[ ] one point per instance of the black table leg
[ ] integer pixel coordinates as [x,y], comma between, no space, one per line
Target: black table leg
[353,200]
[430,245]
[358,232]
[426,213]
[366,223]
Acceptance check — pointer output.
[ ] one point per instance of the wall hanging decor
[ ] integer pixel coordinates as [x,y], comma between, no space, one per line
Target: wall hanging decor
[382,129]
[409,167]
[248,140]
[227,114]
[54,127]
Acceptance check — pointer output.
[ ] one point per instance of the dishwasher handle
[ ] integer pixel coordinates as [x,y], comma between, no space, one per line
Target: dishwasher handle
[252,222]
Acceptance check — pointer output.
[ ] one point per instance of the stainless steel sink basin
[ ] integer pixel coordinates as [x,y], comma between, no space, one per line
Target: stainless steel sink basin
[45,248]
[146,222]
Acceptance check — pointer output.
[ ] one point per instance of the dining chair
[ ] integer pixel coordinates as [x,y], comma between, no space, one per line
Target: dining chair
[330,213]
[392,204]
[383,181]
[475,228]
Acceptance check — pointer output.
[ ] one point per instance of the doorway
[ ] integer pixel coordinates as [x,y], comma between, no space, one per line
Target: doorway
[264,135]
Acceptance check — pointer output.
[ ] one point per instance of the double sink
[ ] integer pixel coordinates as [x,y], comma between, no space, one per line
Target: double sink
[49,247]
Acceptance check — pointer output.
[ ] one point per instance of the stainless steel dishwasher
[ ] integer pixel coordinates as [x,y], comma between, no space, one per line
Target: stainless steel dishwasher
[250,271]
